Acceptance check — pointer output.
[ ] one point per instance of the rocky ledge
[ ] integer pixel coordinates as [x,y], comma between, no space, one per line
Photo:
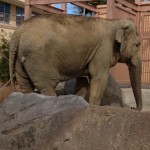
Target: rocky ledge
[38,122]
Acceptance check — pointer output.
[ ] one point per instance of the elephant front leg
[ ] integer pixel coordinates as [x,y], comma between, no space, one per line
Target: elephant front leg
[97,86]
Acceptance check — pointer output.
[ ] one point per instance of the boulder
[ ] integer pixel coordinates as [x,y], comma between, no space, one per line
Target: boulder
[38,122]
[26,118]
[112,94]
[5,92]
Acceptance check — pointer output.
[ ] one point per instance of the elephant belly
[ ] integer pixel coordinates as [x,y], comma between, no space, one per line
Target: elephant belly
[70,72]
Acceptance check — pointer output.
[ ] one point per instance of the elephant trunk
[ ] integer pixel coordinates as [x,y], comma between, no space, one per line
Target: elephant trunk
[135,69]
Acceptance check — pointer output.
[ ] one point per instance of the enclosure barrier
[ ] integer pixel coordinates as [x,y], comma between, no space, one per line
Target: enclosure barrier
[140,13]
[48,6]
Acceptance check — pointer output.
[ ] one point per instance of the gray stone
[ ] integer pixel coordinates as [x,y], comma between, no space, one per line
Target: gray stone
[38,122]
[23,115]
[112,95]
[5,91]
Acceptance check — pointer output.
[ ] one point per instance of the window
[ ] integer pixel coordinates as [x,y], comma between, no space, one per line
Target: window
[19,15]
[4,12]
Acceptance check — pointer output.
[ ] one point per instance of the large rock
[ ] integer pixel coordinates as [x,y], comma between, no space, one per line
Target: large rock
[37,122]
[5,91]
[25,119]
[112,94]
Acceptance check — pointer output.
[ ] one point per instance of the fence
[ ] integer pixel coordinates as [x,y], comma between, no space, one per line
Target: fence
[140,13]
[47,5]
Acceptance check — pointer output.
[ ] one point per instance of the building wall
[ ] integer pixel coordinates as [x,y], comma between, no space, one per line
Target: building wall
[11,26]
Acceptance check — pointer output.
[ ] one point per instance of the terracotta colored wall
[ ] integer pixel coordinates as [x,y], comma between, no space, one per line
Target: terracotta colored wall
[139,13]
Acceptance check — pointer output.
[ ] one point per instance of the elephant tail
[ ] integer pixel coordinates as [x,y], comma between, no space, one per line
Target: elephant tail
[13,50]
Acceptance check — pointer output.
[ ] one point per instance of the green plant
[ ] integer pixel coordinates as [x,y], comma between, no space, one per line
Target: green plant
[102,2]
[4,56]
[98,2]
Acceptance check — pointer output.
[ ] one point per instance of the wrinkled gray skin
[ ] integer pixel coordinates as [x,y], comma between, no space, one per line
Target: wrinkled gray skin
[45,50]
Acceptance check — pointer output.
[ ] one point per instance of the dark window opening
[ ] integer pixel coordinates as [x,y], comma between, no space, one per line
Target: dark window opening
[4,12]
[19,15]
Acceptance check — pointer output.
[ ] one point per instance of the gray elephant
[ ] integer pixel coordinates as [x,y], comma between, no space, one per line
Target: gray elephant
[48,49]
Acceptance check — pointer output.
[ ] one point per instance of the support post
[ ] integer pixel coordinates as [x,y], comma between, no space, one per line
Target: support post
[110,9]
[64,7]
[95,14]
[138,20]
[138,15]
[138,2]
[28,10]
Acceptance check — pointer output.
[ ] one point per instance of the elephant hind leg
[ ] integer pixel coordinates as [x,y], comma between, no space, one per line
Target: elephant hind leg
[25,84]
[47,88]
[23,79]
[43,74]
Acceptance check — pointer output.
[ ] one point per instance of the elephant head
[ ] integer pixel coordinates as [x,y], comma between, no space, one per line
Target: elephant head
[128,43]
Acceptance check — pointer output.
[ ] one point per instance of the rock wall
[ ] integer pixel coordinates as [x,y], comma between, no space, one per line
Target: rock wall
[112,94]
[38,122]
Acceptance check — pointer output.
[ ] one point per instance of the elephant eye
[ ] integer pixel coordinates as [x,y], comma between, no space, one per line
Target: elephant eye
[138,44]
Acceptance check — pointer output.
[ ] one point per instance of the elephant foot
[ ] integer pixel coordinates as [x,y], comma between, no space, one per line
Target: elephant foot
[138,108]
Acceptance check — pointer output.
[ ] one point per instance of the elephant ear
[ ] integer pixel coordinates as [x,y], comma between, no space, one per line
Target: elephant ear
[119,37]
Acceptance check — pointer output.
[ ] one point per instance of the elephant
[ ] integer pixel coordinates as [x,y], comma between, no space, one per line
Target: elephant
[48,49]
